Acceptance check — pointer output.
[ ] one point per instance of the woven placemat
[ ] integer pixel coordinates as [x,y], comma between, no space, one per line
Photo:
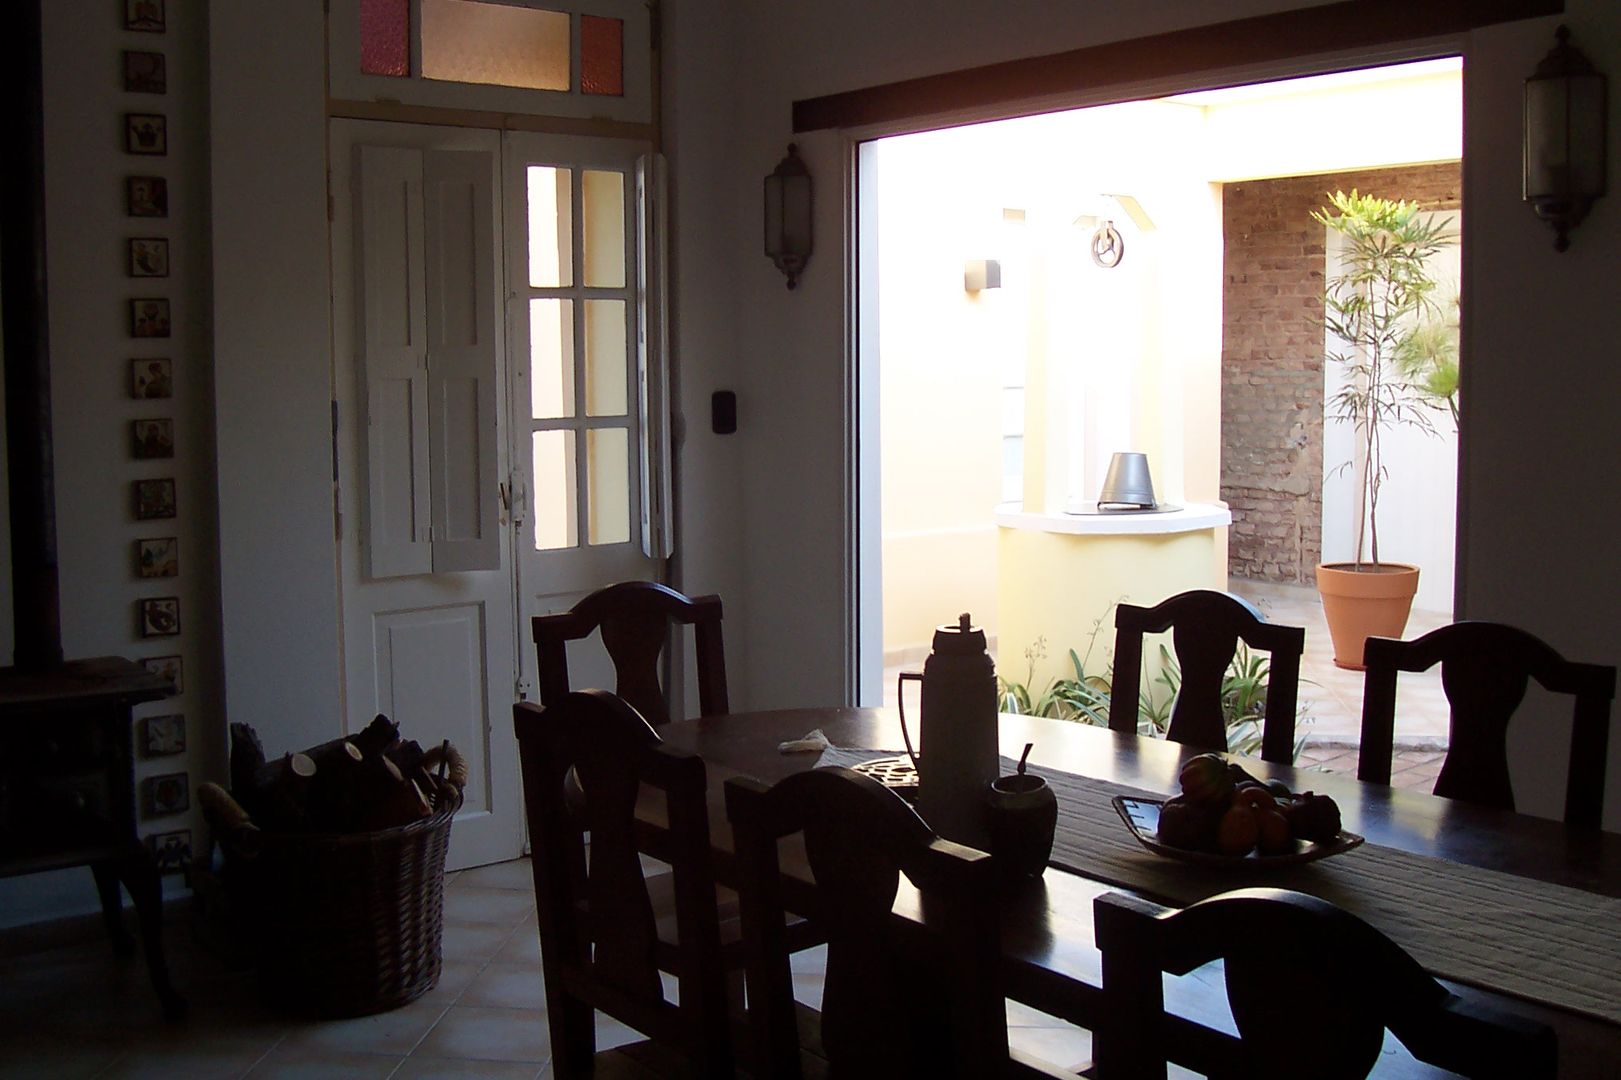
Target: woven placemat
[1530,939]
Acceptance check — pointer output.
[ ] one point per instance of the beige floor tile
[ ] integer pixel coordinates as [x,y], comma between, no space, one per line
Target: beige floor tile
[308,1063]
[473,941]
[506,986]
[455,975]
[395,1032]
[515,875]
[523,947]
[194,1054]
[56,1058]
[416,1068]
[488,1035]
[467,904]
[1069,1048]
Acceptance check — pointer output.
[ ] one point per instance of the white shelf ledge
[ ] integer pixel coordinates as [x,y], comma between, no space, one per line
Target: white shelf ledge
[1190,518]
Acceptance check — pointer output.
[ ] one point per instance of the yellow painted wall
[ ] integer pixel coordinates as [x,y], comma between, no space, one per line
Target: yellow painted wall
[1059,585]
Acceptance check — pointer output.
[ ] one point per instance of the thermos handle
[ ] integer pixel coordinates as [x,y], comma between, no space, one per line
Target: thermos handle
[900,700]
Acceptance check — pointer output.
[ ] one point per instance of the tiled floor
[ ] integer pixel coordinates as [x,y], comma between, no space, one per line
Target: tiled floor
[78,1012]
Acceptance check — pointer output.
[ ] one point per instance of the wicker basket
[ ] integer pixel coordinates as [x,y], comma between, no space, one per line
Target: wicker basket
[345,924]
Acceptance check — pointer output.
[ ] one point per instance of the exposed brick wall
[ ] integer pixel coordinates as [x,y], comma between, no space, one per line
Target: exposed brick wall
[1272,359]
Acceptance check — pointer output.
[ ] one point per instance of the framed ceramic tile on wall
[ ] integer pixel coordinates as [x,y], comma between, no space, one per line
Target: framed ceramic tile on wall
[167,794]
[162,736]
[146,196]
[145,16]
[166,667]
[160,616]
[152,438]
[157,557]
[171,850]
[149,257]
[149,317]
[151,379]
[145,72]
[146,133]
[154,499]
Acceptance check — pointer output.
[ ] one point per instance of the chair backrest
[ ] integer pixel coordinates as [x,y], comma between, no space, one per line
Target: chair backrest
[598,934]
[892,1004]
[1312,990]
[1206,627]
[1485,669]
[635,618]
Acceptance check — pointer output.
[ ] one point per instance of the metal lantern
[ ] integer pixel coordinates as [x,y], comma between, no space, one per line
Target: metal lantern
[788,215]
[1564,138]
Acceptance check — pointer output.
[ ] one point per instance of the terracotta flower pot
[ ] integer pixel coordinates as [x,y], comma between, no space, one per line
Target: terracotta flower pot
[1363,603]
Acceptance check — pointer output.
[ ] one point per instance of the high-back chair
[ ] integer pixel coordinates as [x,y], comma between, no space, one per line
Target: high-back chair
[1206,627]
[600,942]
[1312,988]
[1485,670]
[898,1000]
[635,619]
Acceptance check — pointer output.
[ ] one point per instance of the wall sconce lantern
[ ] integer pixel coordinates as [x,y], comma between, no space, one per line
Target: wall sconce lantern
[788,215]
[1564,138]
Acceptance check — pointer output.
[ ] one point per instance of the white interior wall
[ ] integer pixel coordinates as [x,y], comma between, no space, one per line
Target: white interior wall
[87,231]
[272,362]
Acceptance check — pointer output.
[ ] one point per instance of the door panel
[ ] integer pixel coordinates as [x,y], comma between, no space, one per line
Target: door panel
[431,681]
[435,645]
[574,265]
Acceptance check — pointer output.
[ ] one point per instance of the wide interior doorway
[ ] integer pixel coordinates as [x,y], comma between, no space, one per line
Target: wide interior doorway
[1040,294]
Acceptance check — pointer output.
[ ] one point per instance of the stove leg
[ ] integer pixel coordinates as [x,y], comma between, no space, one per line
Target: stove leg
[145,886]
[112,907]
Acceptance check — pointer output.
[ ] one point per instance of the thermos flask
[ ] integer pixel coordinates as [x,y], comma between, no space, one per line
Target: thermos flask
[958,748]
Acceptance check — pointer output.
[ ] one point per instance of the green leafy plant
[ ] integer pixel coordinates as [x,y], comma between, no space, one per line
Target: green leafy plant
[1380,306]
[1085,697]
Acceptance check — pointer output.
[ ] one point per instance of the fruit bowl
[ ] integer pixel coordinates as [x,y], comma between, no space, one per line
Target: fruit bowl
[1142,818]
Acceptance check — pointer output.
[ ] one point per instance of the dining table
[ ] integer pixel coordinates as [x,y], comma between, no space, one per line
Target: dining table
[1453,883]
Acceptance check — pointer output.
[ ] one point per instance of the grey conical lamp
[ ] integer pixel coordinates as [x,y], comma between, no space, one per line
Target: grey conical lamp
[1127,485]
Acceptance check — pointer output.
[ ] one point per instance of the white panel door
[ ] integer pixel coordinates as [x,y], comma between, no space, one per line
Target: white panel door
[579,387]
[435,648]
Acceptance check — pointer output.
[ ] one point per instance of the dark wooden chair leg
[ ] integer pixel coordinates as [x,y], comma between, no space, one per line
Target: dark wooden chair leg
[145,887]
[112,907]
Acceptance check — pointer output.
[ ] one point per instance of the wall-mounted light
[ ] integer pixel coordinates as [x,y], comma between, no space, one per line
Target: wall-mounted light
[1564,137]
[980,274]
[788,215]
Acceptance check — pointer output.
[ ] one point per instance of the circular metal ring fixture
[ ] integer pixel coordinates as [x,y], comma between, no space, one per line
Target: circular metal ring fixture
[1108,246]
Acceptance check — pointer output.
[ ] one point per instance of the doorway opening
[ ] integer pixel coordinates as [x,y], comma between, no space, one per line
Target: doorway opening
[1040,294]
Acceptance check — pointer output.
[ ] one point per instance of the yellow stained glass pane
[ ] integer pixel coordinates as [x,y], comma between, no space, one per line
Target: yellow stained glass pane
[603,194]
[605,358]
[551,227]
[607,470]
[556,506]
[495,44]
[551,358]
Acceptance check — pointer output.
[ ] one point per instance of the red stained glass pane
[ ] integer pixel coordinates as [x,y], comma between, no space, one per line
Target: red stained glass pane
[385,37]
[602,55]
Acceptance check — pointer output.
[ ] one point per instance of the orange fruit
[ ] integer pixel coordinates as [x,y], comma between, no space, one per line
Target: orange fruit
[1238,831]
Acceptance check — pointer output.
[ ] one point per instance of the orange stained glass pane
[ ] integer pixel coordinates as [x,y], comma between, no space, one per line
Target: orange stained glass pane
[496,44]
[602,55]
[385,37]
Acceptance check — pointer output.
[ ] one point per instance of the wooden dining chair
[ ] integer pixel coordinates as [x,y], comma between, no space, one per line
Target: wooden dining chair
[635,619]
[1206,627]
[895,1003]
[1312,989]
[1485,670]
[601,943]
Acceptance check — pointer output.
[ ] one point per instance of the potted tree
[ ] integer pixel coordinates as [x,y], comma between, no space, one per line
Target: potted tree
[1382,310]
